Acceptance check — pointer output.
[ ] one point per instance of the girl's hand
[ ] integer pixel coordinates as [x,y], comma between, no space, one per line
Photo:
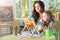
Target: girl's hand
[44,28]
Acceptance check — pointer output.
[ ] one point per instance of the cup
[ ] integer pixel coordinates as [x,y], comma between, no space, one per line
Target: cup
[48,32]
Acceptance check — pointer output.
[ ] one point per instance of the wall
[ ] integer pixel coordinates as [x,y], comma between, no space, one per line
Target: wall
[6,2]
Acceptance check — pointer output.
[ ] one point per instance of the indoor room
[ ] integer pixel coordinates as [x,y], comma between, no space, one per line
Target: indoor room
[29,20]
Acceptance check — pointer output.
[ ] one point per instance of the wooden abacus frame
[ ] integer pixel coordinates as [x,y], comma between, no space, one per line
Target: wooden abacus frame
[58,16]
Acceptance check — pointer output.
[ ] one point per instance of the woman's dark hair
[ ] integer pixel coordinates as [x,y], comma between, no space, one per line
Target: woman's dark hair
[35,14]
[50,15]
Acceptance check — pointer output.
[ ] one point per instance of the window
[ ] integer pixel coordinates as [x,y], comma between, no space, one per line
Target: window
[55,4]
[18,9]
[23,8]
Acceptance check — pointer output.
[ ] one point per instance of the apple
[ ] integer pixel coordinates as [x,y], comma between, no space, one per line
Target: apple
[29,22]
[30,26]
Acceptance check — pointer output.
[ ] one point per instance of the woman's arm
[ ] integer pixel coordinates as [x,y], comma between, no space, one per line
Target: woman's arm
[23,28]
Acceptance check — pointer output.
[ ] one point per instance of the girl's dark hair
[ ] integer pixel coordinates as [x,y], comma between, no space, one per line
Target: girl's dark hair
[50,15]
[35,14]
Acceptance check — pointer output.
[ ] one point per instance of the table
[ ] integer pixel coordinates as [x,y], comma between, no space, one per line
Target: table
[13,37]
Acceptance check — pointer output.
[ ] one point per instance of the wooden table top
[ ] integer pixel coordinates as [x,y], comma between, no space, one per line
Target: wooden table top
[13,37]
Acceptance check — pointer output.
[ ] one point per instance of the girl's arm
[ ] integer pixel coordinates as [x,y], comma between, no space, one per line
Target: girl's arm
[54,25]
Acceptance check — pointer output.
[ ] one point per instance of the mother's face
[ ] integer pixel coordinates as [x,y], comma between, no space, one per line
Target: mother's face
[37,7]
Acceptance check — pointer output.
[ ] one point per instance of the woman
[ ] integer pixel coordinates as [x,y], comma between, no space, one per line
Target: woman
[38,9]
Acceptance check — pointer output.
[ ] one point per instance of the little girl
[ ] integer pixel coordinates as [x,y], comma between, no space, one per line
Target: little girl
[48,22]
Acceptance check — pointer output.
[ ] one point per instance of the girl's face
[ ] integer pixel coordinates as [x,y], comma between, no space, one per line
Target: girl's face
[45,17]
[37,7]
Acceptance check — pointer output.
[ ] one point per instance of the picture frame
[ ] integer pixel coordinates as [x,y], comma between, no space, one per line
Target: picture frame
[6,13]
